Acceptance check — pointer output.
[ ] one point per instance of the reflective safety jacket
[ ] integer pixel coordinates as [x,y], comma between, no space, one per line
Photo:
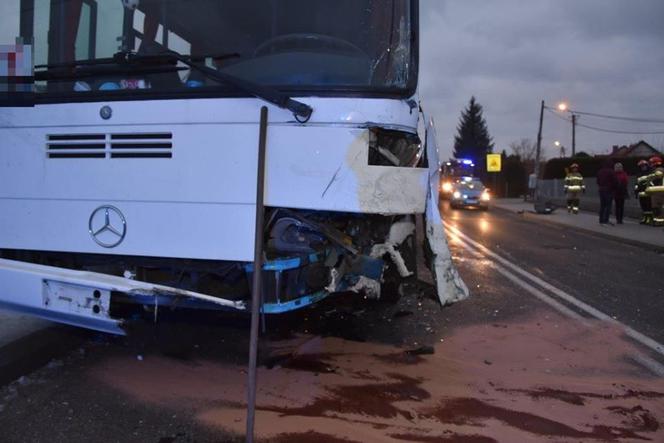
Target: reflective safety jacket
[574,182]
[656,181]
[642,183]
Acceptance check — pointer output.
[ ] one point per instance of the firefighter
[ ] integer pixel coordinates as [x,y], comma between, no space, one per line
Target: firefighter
[640,192]
[574,187]
[655,190]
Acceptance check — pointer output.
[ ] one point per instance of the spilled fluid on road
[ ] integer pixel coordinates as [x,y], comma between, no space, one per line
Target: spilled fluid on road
[523,380]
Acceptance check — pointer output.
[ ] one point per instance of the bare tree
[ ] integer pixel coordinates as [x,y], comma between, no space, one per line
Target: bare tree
[525,148]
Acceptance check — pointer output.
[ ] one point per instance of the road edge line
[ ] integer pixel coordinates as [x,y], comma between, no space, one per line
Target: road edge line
[635,335]
[544,298]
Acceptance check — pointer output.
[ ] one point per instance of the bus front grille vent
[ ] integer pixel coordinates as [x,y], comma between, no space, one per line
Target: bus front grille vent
[157,145]
[110,146]
[76,146]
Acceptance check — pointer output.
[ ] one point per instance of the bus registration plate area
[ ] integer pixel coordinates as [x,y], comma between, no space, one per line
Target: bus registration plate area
[75,299]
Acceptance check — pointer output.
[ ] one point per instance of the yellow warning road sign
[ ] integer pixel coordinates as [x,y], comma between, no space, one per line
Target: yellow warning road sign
[493,163]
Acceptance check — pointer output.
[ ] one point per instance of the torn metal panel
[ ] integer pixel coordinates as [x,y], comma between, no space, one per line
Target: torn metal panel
[329,168]
[385,189]
[401,230]
[450,286]
[388,249]
[96,281]
[98,324]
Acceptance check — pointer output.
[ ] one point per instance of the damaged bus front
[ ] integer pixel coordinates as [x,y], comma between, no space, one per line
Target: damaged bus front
[130,177]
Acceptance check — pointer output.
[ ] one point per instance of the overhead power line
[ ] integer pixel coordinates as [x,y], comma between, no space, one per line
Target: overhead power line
[551,111]
[611,131]
[615,117]
[615,131]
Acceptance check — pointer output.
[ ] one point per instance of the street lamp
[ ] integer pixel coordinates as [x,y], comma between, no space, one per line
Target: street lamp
[564,107]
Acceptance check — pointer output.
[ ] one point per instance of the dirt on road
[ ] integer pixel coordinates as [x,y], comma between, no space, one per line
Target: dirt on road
[529,379]
[498,367]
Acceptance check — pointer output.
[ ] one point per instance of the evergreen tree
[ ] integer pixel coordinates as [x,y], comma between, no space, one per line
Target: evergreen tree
[473,140]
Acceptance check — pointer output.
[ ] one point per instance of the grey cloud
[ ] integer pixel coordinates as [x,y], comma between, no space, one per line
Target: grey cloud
[601,56]
[606,19]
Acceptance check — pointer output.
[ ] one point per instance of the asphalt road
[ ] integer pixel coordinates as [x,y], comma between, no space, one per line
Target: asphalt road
[621,280]
[512,363]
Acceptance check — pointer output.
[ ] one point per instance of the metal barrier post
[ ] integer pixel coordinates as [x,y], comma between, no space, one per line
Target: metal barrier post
[257,280]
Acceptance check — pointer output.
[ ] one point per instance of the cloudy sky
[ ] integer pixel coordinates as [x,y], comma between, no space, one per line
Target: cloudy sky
[601,56]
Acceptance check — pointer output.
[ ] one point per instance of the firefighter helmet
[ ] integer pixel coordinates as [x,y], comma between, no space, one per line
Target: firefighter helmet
[655,161]
[574,166]
[642,163]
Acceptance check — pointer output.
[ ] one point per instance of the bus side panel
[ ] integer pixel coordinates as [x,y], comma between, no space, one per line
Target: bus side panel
[199,202]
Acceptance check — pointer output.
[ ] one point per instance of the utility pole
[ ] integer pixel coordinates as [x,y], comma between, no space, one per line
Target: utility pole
[574,117]
[539,150]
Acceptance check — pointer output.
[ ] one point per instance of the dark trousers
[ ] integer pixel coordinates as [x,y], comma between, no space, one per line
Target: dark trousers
[605,203]
[620,209]
[646,205]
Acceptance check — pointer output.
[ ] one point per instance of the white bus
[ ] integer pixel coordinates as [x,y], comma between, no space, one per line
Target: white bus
[129,178]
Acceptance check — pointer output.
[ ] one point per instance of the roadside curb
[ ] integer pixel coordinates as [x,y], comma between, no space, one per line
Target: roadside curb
[532,216]
[33,351]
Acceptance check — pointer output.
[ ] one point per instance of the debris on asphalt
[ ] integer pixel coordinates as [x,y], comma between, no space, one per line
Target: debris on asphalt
[422,350]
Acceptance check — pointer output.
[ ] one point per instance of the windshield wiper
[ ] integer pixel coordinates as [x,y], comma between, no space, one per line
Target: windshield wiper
[118,65]
[301,111]
[126,58]
[127,63]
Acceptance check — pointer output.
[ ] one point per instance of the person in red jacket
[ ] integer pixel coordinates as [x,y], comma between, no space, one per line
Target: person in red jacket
[620,193]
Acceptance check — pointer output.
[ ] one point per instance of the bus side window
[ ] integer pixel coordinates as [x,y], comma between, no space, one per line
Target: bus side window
[85,46]
[9,23]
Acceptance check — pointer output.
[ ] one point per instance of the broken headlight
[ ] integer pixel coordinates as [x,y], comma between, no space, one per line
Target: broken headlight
[395,148]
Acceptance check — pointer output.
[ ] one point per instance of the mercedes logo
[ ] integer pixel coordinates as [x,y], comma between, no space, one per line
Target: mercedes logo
[107,226]
[106,112]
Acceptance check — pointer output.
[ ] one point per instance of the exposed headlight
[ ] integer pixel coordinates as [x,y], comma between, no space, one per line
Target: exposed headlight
[394,148]
[447,187]
[456,194]
[485,196]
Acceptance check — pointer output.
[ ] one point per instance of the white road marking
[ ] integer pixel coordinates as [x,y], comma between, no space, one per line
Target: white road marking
[524,285]
[478,249]
[654,366]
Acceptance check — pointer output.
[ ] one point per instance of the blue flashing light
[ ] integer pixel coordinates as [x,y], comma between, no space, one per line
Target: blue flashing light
[467,162]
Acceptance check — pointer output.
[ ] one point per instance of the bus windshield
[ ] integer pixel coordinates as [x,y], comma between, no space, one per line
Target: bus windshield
[306,47]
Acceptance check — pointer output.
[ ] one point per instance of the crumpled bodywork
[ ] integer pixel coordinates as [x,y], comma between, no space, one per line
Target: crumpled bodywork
[449,285]
[354,189]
